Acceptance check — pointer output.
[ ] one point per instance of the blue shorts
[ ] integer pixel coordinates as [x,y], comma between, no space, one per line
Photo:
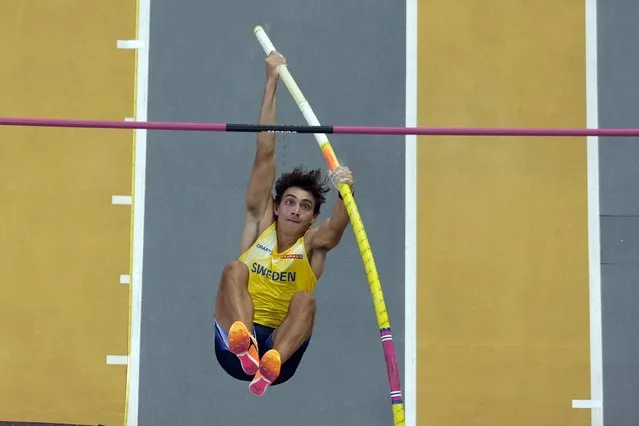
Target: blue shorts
[264,336]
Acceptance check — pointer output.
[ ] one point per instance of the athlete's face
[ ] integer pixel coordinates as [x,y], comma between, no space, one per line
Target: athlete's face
[296,210]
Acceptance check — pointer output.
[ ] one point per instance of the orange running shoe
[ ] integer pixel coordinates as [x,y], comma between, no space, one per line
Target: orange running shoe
[243,344]
[269,371]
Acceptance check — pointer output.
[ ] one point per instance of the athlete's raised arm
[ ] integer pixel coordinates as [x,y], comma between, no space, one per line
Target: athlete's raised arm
[328,235]
[259,190]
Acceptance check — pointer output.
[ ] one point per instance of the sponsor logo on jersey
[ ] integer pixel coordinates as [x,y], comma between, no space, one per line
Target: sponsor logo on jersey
[292,256]
[261,247]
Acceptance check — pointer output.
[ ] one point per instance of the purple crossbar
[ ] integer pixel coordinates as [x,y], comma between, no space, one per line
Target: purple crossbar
[353,130]
[462,131]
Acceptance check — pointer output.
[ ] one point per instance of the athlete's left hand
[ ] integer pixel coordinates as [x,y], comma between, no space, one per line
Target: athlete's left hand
[342,175]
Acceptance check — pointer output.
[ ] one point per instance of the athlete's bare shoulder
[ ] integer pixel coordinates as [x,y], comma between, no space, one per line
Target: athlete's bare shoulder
[316,255]
[253,229]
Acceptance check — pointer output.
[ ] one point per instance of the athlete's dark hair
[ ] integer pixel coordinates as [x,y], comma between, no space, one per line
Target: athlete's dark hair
[312,181]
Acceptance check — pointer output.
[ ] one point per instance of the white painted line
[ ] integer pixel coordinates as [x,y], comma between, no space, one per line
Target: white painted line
[130,44]
[125,279]
[117,359]
[594,243]
[121,199]
[586,403]
[139,155]
[410,238]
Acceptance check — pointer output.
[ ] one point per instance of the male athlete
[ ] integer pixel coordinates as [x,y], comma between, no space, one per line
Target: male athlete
[265,309]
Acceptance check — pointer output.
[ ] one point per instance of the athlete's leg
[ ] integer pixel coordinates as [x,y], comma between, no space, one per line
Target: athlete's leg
[233,301]
[234,315]
[289,368]
[297,327]
[288,338]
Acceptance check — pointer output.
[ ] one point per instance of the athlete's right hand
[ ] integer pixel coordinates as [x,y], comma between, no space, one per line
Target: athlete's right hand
[341,174]
[273,61]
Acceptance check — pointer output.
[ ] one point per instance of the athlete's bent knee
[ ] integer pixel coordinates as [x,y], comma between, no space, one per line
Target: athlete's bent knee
[234,270]
[303,302]
[233,285]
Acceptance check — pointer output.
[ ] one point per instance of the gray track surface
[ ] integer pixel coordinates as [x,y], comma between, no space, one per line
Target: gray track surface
[349,59]
[619,179]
